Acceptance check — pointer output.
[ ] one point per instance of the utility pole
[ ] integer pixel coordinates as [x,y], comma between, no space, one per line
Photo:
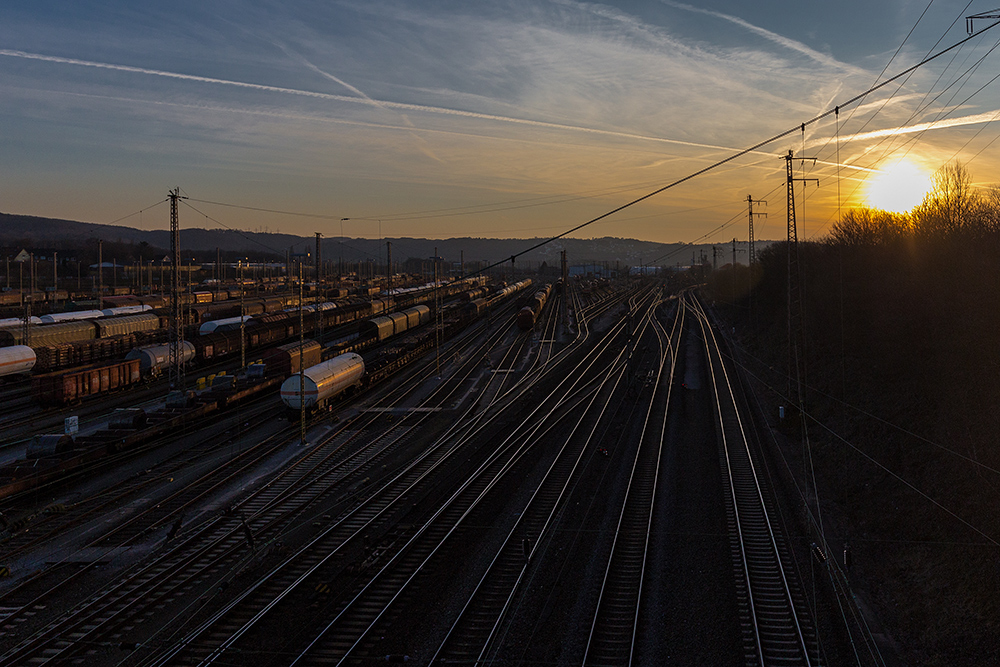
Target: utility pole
[176,319]
[243,314]
[100,274]
[736,250]
[388,271]
[437,311]
[55,277]
[27,302]
[969,20]
[317,262]
[564,272]
[302,366]
[752,257]
[796,340]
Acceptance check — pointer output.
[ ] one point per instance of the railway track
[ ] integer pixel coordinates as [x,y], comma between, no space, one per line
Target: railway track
[99,614]
[776,626]
[615,621]
[403,551]
[476,635]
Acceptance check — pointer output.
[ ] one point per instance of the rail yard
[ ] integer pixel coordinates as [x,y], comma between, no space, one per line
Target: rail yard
[461,472]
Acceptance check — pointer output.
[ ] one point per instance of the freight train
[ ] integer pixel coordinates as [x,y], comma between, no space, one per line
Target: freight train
[393,324]
[77,330]
[66,344]
[527,316]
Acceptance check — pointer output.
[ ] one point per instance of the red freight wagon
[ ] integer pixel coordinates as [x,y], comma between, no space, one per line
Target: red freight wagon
[284,359]
[70,386]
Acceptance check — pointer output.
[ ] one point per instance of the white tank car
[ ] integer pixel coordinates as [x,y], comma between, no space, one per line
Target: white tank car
[323,381]
[16,359]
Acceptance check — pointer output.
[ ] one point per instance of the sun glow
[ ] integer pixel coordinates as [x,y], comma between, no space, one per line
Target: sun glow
[898,187]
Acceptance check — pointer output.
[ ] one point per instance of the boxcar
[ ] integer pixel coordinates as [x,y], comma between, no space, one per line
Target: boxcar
[65,387]
[50,334]
[126,324]
[284,359]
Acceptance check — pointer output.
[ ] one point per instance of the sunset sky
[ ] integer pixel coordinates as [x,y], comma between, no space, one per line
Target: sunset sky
[499,119]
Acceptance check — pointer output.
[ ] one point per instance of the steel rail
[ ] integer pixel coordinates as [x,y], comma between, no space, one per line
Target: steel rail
[620,596]
[777,632]
[446,530]
[491,600]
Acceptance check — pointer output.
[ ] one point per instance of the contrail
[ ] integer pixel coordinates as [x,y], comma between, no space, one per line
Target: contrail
[421,143]
[781,40]
[353,100]
[986,117]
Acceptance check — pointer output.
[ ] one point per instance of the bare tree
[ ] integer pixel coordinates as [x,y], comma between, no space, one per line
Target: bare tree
[952,204]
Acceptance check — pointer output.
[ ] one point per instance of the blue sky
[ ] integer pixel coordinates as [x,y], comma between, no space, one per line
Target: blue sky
[500,119]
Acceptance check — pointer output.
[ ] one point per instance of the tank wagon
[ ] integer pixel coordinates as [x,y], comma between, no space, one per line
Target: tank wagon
[322,382]
[155,359]
[510,289]
[527,316]
[16,359]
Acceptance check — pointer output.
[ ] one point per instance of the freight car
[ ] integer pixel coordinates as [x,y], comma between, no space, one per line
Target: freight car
[126,310]
[287,359]
[50,334]
[527,316]
[108,327]
[71,316]
[65,355]
[322,382]
[394,324]
[225,324]
[155,359]
[473,294]
[65,387]
[475,308]
[80,330]
[16,359]
[18,321]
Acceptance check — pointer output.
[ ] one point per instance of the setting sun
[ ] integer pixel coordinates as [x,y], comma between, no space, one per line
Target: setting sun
[898,188]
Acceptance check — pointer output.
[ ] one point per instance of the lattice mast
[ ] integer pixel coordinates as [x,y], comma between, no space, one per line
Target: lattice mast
[752,255]
[176,318]
[796,335]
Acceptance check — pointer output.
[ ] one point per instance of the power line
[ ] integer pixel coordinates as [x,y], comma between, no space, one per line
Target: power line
[675,183]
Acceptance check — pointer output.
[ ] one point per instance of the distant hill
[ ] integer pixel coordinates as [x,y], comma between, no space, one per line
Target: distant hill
[24,231]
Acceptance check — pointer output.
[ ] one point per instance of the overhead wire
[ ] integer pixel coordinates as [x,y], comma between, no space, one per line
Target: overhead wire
[734,156]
